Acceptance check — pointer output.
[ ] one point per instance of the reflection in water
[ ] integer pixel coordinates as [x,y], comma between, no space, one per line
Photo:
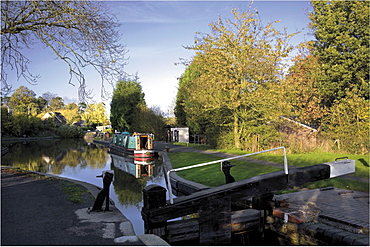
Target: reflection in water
[131,176]
[53,156]
[83,161]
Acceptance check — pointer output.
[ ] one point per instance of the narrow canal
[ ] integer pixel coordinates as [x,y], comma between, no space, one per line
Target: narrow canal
[83,161]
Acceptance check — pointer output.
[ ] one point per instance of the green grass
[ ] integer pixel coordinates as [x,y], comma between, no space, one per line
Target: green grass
[341,183]
[302,160]
[212,175]
[309,159]
[73,191]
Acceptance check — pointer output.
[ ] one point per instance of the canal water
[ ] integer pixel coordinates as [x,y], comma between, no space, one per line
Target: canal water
[83,161]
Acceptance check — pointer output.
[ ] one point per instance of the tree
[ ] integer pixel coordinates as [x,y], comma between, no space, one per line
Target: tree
[300,90]
[348,124]
[239,61]
[95,115]
[56,104]
[342,33]
[23,100]
[80,33]
[81,107]
[42,103]
[71,113]
[148,120]
[127,99]
[48,97]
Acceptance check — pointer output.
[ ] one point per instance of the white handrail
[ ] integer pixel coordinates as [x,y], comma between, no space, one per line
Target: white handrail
[169,186]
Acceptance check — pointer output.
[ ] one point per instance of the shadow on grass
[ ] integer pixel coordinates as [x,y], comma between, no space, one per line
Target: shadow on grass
[363,162]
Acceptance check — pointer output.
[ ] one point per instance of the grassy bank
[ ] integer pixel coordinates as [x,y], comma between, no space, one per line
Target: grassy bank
[212,175]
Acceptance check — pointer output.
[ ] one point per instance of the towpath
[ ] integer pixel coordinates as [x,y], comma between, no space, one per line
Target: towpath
[38,212]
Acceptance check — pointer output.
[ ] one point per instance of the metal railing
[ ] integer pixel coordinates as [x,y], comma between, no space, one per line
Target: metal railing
[169,186]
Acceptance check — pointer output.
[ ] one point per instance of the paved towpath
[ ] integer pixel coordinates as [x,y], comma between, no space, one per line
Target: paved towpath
[38,212]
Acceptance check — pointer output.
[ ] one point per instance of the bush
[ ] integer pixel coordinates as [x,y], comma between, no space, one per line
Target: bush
[19,124]
[72,131]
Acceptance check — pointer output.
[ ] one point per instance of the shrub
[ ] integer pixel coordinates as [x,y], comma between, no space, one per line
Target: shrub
[72,131]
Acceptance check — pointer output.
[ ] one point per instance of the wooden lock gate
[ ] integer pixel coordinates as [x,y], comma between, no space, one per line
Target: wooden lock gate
[216,221]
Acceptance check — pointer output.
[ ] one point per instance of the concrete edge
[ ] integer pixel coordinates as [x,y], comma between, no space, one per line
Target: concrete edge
[152,240]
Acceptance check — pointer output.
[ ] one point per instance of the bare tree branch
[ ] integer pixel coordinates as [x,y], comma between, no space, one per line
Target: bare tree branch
[80,33]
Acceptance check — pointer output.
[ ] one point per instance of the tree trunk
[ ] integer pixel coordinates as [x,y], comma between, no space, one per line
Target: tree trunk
[236,134]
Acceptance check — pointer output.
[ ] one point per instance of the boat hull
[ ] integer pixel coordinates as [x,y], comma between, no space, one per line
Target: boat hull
[115,149]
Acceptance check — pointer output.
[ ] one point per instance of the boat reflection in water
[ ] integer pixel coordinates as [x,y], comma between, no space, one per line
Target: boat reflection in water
[143,167]
[132,175]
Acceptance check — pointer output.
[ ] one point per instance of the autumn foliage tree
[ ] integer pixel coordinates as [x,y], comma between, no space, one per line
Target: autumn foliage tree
[300,88]
[230,90]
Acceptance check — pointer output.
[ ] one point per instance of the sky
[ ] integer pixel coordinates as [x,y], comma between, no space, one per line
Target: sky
[155,33]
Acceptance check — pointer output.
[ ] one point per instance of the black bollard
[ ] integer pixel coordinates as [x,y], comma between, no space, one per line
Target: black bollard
[226,166]
[154,196]
[104,194]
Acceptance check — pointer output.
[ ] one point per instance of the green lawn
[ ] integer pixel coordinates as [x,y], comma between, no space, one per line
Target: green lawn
[301,160]
[212,175]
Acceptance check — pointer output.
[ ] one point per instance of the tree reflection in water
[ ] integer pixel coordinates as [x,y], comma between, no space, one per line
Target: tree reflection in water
[54,155]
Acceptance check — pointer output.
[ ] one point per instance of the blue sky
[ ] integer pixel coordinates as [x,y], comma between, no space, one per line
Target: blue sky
[154,33]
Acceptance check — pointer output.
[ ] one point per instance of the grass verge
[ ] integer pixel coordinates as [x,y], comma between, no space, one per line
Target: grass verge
[74,191]
[212,175]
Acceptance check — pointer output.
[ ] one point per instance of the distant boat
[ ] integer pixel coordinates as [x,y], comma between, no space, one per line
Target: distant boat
[138,144]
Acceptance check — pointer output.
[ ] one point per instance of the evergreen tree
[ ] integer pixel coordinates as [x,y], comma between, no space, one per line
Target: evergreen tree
[342,33]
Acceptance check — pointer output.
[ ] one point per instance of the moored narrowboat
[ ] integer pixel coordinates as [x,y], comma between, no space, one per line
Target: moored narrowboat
[138,144]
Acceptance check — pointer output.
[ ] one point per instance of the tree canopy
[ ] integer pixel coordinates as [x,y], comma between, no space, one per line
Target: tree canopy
[342,33]
[80,33]
[227,87]
[235,88]
[127,100]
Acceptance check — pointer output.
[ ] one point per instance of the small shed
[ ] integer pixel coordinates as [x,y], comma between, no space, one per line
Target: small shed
[296,132]
[180,134]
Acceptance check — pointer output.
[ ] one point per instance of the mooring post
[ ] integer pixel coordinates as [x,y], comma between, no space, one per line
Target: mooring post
[104,193]
[154,196]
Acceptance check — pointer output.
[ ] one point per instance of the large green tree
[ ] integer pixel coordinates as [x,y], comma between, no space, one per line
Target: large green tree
[80,33]
[235,67]
[127,100]
[23,100]
[342,32]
